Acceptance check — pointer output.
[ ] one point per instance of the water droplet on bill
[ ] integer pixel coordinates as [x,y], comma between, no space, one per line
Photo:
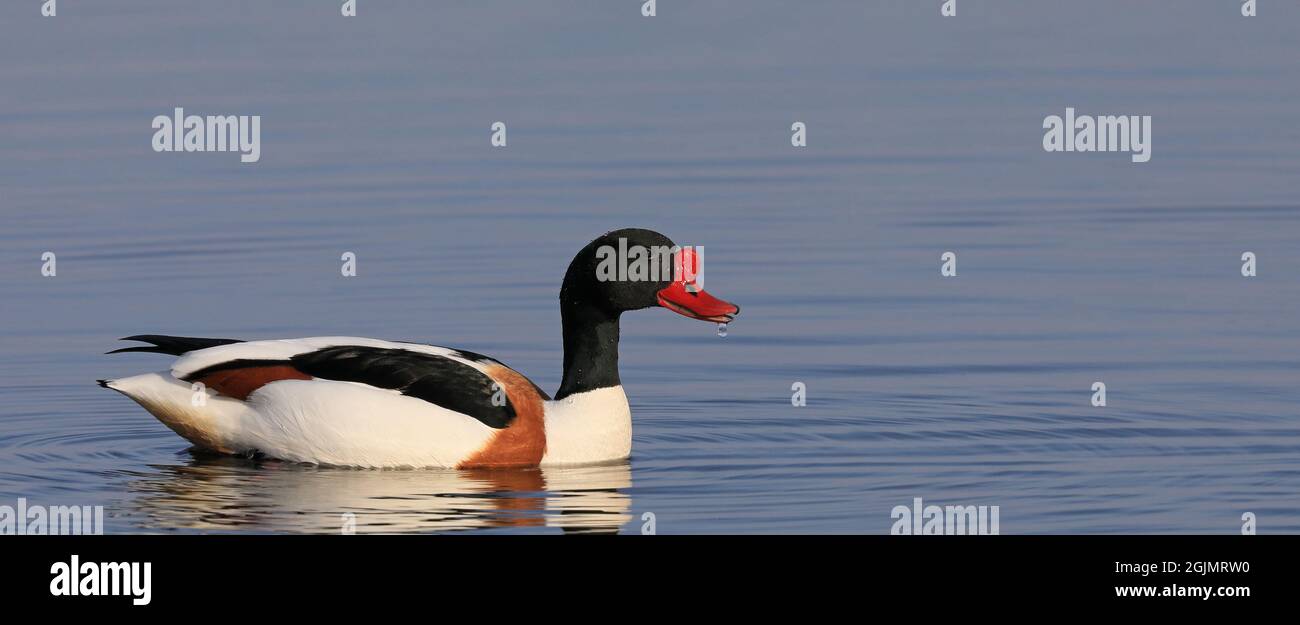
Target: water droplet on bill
[722,330]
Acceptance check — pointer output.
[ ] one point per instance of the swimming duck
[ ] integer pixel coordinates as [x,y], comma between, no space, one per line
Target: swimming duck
[362,402]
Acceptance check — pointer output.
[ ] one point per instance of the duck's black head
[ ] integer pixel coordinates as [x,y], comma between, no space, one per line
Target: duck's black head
[624,270]
[633,268]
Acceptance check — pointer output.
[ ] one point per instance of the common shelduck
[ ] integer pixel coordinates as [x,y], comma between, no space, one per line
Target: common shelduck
[369,403]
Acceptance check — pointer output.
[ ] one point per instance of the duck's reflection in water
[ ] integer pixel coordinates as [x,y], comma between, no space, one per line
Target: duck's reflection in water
[221,493]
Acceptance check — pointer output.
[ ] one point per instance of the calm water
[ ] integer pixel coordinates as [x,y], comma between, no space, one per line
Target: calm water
[924,137]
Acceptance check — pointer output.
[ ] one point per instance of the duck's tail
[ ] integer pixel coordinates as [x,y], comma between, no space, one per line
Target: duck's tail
[205,421]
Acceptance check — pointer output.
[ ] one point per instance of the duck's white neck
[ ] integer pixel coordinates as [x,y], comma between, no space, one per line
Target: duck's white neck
[588,427]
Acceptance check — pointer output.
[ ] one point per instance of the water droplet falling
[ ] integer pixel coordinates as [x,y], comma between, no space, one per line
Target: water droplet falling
[722,330]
